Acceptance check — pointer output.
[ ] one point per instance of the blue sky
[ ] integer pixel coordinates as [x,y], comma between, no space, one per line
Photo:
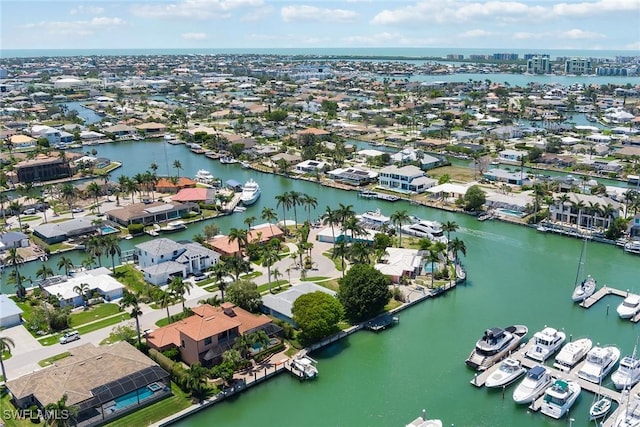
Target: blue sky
[517,24]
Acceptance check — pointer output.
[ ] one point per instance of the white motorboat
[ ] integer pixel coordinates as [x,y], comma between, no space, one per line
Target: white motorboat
[559,397]
[599,408]
[205,177]
[495,344]
[533,385]
[572,353]
[508,371]
[600,361]
[545,343]
[228,160]
[250,192]
[173,226]
[587,287]
[422,421]
[373,219]
[628,373]
[304,367]
[633,247]
[432,230]
[629,307]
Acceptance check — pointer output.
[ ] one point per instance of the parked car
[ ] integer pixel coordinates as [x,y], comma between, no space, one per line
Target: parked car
[199,277]
[69,337]
[30,211]
[77,210]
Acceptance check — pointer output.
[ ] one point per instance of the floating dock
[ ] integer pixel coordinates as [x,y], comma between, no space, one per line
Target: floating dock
[382,322]
[601,293]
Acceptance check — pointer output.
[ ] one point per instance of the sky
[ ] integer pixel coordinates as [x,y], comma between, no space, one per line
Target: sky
[230,24]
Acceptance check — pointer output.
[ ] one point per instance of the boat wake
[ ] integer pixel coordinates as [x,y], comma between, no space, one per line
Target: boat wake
[485,235]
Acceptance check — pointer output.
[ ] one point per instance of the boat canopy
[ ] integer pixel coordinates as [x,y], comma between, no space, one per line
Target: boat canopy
[537,371]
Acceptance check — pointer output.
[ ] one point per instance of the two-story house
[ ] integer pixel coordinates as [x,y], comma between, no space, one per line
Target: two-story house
[406,179]
[511,156]
[161,259]
[210,332]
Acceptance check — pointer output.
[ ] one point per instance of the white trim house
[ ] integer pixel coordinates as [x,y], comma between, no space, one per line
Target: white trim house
[407,179]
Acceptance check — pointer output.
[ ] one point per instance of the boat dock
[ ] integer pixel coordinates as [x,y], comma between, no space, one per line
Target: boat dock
[601,293]
[572,375]
[382,322]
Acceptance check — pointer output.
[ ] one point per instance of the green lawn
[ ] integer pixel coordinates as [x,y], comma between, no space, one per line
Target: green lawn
[336,261]
[315,279]
[275,286]
[8,418]
[53,339]
[96,312]
[48,361]
[132,279]
[6,355]
[156,411]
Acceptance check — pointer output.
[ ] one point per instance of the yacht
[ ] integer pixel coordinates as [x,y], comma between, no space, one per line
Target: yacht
[494,345]
[422,421]
[628,373]
[600,361]
[250,192]
[559,397]
[373,219]
[227,160]
[204,176]
[304,367]
[533,385]
[173,226]
[633,247]
[545,343]
[584,289]
[572,353]
[508,371]
[432,230]
[629,307]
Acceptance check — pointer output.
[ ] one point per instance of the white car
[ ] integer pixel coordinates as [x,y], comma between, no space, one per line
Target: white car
[77,210]
[69,337]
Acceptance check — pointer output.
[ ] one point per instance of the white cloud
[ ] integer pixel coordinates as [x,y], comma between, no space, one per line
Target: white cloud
[595,8]
[576,34]
[193,9]
[194,36]
[312,13]
[89,10]
[76,28]
[257,14]
[288,39]
[389,39]
[475,34]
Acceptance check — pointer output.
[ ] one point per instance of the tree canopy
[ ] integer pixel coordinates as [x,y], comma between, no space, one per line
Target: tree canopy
[474,198]
[317,314]
[364,292]
[244,294]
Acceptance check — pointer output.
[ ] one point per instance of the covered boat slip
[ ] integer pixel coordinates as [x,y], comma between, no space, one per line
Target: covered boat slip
[479,380]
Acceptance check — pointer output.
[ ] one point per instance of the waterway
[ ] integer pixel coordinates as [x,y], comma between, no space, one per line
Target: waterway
[516,275]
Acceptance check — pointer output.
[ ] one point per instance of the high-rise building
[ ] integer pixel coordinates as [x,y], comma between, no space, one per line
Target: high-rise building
[539,65]
[578,66]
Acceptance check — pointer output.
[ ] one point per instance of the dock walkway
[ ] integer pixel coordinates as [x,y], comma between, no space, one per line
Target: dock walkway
[601,293]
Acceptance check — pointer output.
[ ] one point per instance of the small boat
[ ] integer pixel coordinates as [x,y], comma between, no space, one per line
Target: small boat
[599,408]
[533,385]
[545,343]
[559,398]
[422,421]
[509,371]
[304,367]
[628,373]
[250,192]
[629,307]
[572,353]
[172,227]
[367,194]
[587,287]
[245,164]
[600,361]
[227,160]
[432,230]
[632,247]
[204,176]
[495,344]
[239,209]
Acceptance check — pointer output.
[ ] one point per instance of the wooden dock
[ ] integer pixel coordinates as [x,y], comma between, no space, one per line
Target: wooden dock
[601,293]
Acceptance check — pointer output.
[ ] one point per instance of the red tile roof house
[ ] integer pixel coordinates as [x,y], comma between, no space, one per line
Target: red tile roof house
[260,234]
[210,332]
[165,185]
[205,195]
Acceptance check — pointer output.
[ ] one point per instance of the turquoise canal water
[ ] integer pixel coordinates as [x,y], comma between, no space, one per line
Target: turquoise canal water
[515,275]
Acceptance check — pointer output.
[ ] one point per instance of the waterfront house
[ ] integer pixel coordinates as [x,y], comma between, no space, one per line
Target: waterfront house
[161,259]
[290,159]
[152,129]
[21,142]
[502,175]
[150,213]
[49,133]
[204,195]
[405,179]
[42,168]
[56,232]
[98,282]
[121,131]
[316,133]
[169,185]
[449,191]
[310,166]
[353,176]
[279,305]
[397,263]
[584,210]
[409,154]
[101,382]
[203,337]
[10,313]
[13,239]
[259,234]
[511,156]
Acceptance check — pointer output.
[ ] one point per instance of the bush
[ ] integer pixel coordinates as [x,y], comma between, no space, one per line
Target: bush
[175,369]
[173,354]
[135,229]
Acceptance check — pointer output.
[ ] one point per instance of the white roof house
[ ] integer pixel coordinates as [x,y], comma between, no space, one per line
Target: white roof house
[398,262]
[98,279]
[280,304]
[10,313]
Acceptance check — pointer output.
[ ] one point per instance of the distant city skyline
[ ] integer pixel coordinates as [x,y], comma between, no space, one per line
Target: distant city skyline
[264,24]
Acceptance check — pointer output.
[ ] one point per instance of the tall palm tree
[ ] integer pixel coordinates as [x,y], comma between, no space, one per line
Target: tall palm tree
[269,257]
[269,215]
[17,208]
[331,217]
[221,270]
[239,235]
[16,260]
[177,166]
[249,221]
[130,300]
[66,264]
[111,247]
[6,344]
[296,200]
[237,265]
[196,380]
[360,253]
[179,288]
[285,201]
[340,250]
[433,258]
[95,249]
[450,227]
[398,218]
[69,193]
[457,246]
[44,271]
[94,190]
[309,202]
[166,300]
[83,291]
[345,212]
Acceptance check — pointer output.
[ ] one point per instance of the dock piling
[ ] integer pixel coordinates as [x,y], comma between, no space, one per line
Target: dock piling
[607,309]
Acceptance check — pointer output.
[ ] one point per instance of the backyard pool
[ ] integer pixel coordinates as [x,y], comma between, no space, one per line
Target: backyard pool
[131,398]
[107,229]
[510,212]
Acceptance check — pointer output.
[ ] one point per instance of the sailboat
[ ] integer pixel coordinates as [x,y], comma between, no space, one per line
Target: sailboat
[601,405]
[583,288]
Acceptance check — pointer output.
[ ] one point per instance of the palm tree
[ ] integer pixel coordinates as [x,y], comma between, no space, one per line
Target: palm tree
[111,247]
[456,245]
[6,344]
[308,201]
[331,217]
[94,248]
[196,380]
[93,189]
[269,215]
[178,288]
[177,165]
[249,220]
[65,263]
[44,271]
[166,299]
[131,300]
[285,201]
[15,260]
[69,193]
[239,235]
[450,227]
[345,212]
[59,414]
[269,257]
[360,253]
[276,275]
[237,265]
[340,250]
[17,207]
[296,200]
[83,291]
[221,270]
[398,218]
[433,257]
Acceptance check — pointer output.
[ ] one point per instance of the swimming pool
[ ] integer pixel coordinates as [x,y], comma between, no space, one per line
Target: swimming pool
[510,212]
[131,398]
[106,229]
